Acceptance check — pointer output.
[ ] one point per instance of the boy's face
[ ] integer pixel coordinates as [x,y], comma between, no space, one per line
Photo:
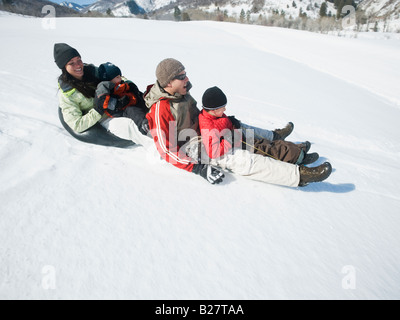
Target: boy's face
[117,80]
[218,112]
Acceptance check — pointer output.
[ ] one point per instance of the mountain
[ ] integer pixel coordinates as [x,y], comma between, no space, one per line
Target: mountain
[123,8]
[118,8]
[34,7]
[230,7]
[72,5]
[380,15]
[381,9]
[372,15]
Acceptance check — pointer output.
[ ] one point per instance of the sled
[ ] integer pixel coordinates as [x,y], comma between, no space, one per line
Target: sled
[96,135]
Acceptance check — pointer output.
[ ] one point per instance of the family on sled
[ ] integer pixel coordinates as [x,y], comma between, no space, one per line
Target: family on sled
[205,142]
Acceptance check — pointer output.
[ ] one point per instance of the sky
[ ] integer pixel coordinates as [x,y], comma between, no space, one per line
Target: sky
[81,2]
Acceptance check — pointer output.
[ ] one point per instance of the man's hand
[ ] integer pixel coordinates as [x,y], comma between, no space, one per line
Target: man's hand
[210,173]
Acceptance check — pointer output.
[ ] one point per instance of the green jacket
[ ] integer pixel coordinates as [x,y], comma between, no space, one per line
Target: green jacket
[77,110]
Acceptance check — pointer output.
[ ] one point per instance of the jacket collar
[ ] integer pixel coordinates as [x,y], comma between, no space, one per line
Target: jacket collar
[157,93]
[209,116]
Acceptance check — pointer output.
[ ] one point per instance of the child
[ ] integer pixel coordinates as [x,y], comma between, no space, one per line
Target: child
[220,137]
[118,97]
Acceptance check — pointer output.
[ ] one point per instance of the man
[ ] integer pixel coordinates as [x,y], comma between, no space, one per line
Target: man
[173,120]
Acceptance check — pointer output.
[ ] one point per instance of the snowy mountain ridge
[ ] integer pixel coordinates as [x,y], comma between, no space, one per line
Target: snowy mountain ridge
[127,8]
[72,5]
[290,7]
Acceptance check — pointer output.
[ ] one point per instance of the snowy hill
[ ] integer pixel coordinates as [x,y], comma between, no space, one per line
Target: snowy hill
[87,222]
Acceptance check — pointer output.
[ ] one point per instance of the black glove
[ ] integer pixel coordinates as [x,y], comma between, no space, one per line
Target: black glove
[122,103]
[236,123]
[210,173]
[99,109]
[144,127]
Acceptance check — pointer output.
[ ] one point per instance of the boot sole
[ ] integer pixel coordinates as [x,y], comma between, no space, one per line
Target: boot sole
[310,158]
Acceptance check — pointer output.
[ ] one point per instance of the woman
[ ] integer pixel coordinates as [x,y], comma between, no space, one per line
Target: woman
[78,83]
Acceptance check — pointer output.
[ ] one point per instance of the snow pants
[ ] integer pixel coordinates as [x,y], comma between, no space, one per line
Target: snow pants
[126,129]
[258,133]
[280,150]
[257,167]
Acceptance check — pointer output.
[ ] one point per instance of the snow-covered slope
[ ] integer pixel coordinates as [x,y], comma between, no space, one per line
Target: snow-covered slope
[84,221]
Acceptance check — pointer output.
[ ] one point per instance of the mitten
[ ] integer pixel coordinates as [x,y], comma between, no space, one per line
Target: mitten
[210,173]
[236,123]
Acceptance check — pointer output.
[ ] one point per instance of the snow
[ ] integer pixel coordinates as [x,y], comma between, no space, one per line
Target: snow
[79,221]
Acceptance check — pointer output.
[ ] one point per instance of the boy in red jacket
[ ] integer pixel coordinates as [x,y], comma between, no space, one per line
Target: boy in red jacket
[220,134]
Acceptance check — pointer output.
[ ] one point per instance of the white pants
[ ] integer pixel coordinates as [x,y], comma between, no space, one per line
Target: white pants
[260,168]
[125,128]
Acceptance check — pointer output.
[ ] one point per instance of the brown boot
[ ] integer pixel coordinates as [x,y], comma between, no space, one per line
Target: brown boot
[281,134]
[316,174]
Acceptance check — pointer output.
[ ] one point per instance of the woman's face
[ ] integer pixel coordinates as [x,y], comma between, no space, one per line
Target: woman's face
[75,68]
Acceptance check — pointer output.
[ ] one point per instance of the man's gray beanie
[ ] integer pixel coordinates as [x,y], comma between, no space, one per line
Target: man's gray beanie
[167,70]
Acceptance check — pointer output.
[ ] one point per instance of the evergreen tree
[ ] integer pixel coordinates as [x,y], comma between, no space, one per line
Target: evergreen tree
[323,9]
[376,29]
[177,14]
[242,16]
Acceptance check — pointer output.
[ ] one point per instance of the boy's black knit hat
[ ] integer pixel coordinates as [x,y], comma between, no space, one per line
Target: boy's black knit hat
[214,98]
[63,53]
[108,71]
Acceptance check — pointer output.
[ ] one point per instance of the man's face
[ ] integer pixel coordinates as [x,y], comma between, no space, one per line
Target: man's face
[178,85]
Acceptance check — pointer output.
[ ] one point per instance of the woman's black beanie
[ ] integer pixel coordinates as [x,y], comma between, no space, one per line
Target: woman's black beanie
[63,53]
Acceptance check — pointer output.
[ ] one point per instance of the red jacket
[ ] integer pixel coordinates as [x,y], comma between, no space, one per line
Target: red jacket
[169,116]
[217,134]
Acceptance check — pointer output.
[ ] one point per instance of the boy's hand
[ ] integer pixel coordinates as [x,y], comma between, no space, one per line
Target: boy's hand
[236,123]
[122,103]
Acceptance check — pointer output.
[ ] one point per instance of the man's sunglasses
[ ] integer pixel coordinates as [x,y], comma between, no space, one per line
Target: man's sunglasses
[181,76]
